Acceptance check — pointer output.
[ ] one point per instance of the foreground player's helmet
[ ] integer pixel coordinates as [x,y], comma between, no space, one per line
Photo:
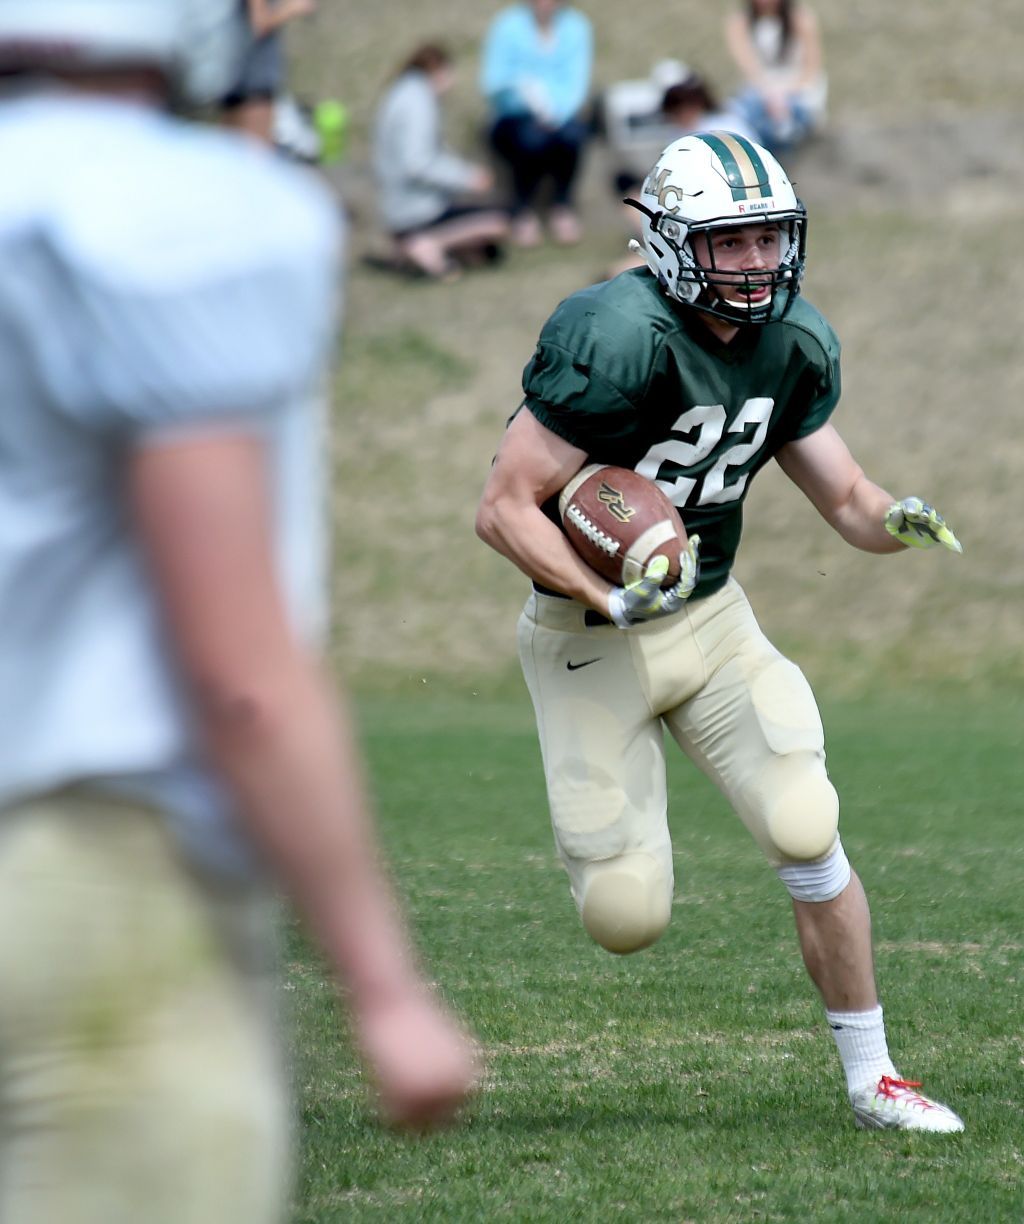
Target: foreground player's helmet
[711,181]
[197,44]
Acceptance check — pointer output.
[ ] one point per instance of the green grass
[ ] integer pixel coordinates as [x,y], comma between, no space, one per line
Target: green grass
[397,367]
[695,1081]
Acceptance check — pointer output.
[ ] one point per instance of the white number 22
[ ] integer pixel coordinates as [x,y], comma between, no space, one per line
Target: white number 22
[709,420]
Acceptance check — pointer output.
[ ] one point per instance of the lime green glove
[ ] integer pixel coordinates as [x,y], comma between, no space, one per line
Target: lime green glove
[645,600]
[916,524]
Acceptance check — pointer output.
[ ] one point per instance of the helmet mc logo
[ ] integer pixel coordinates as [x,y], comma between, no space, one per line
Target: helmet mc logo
[658,185]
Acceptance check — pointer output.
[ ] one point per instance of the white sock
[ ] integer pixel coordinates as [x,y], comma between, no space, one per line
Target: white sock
[860,1037]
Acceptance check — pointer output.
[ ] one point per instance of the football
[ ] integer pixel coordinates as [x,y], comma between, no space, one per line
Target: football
[618,522]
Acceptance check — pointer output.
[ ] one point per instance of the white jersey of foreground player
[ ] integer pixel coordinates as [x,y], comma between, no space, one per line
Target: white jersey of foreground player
[122,223]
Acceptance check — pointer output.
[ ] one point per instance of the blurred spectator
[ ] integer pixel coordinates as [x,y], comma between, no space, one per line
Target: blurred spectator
[776,45]
[536,77]
[420,181]
[169,741]
[688,105]
[249,105]
[691,106]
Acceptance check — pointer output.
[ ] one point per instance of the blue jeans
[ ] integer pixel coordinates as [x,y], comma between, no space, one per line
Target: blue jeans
[778,137]
[536,153]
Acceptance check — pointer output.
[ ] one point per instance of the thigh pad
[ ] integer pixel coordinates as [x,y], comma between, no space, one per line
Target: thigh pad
[785,708]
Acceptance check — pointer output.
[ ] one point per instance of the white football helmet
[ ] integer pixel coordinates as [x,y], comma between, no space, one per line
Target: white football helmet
[718,180]
[196,43]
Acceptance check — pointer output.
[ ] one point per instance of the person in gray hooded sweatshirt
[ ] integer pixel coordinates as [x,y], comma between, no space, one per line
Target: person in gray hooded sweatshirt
[431,200]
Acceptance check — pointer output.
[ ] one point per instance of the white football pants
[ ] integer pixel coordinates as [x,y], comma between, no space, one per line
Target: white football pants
[140,1072]
[743,713]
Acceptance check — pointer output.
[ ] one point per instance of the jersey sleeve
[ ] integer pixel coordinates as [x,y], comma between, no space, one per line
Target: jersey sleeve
[210,300]
[587,373]
[821,385]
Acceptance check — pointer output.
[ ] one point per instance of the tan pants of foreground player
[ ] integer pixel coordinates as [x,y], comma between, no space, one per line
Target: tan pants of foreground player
[140,1074]
[742,712]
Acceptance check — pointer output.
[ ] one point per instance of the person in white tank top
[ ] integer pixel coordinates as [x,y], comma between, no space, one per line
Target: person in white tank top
[776,45]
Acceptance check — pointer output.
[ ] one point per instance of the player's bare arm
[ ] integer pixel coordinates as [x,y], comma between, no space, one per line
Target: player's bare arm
[275,729]
[863,513]
[823,469]
[532,464]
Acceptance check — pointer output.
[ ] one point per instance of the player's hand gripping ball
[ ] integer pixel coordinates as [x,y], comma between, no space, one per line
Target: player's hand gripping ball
[619,522]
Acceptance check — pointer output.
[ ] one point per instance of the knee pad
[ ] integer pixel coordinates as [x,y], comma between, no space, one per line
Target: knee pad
[802,814]
[626,902]
[823,880]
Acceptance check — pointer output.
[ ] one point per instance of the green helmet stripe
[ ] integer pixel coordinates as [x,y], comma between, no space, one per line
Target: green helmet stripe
[744,169]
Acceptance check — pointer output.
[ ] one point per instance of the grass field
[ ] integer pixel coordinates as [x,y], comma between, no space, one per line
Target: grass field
[696,1080]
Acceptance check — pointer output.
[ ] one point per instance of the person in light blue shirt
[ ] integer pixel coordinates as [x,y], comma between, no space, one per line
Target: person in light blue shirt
[535,74]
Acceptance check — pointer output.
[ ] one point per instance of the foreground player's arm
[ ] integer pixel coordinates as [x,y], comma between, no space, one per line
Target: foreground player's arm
[864,514]
[272,726]
[533,464]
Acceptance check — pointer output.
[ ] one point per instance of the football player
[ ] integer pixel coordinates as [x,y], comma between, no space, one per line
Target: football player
[166,733]
[695,371]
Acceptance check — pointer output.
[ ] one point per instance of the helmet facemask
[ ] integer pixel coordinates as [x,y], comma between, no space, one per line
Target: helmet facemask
[695,281]
[704,184]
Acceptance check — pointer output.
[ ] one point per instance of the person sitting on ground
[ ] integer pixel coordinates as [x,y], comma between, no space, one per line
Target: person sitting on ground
[420,181]
[776,45]
[688,105]
[536,75]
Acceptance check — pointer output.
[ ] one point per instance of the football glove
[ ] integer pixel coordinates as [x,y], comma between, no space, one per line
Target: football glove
[918,525]
[645,600]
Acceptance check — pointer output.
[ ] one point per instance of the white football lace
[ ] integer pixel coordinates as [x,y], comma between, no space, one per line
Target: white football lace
[593,533]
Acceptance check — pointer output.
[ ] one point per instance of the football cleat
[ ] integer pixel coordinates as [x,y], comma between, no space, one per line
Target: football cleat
[895,1104]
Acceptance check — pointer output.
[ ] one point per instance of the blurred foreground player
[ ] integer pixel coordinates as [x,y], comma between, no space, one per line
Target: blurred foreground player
[695,371]
[165,738]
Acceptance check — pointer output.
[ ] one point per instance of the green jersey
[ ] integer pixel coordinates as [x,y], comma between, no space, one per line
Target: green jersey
[636,381]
